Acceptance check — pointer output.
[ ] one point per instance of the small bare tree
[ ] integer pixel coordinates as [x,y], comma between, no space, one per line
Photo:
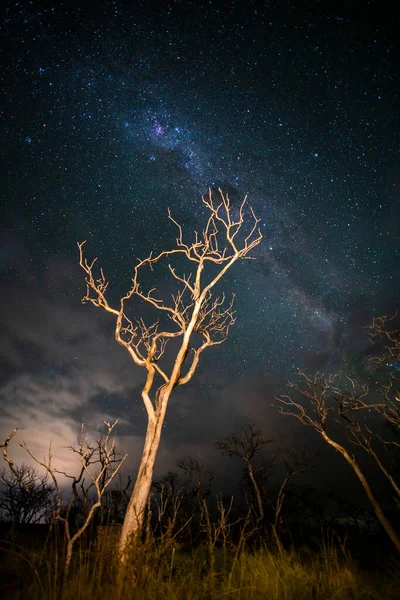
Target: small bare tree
[195,315]
[311,402]
[199,475]
[100,463]
[246,445]
[115,501]
[295,461]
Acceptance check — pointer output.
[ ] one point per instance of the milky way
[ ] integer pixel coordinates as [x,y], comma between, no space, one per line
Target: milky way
[115,111]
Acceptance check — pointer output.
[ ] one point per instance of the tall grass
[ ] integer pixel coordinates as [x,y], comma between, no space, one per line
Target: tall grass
[167,572]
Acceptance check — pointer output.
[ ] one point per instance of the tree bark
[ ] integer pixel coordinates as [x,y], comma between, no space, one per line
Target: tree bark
[256,489]
[134,517]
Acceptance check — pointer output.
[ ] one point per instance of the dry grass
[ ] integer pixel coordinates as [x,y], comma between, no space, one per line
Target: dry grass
[169,573]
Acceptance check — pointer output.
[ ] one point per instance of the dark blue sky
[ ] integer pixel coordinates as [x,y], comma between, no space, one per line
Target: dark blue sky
[114,111]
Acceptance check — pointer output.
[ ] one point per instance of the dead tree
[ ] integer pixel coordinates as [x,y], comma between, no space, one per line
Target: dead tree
[100,463]
[295,461]
[199,475]
[195,314]
[357,401]
[352,403]
[115,501]
[310,402]
[246,445]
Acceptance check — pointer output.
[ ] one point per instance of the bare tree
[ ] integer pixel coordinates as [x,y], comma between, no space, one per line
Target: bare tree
[246,445]
[26,496]
[167,500]
[199,475]
[115,501]
[195,313]
[100,463]
[294,461]
[310,402]
[355,401]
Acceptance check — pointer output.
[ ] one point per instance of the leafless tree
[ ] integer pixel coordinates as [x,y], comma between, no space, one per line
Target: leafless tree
[115,501]
[295,461]
[195,314]
[100,463]
[198,475]
[351,403]
[311,401]
[246,445]
[357,400]
[171,506]
[26,496]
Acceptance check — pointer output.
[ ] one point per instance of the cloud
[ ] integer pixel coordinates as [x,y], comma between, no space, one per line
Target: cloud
[60,363]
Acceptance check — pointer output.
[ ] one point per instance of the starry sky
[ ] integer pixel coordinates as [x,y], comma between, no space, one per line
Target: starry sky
[114,111]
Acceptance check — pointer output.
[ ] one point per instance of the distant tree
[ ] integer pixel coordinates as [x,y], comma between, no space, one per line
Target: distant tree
[294,461]
[26,495]
[199,320]
[179,501]
[115,502]
[246,445]
[166,499]
[199,477]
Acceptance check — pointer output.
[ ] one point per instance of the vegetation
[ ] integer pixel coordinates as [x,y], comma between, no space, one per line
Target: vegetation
[173,572]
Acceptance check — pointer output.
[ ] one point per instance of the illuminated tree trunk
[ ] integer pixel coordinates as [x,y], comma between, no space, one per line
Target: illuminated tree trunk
[134,517]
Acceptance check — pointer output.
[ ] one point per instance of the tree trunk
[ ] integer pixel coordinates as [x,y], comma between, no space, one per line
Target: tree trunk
[256,489]
[134,516]
[135,512]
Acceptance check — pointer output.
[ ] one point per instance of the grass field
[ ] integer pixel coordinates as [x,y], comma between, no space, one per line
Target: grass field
[167,572]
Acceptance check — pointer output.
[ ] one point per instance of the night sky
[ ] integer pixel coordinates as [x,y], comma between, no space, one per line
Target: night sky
[114,111]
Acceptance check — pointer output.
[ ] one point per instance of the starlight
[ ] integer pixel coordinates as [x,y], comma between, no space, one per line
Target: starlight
[118,129]
[159,129]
